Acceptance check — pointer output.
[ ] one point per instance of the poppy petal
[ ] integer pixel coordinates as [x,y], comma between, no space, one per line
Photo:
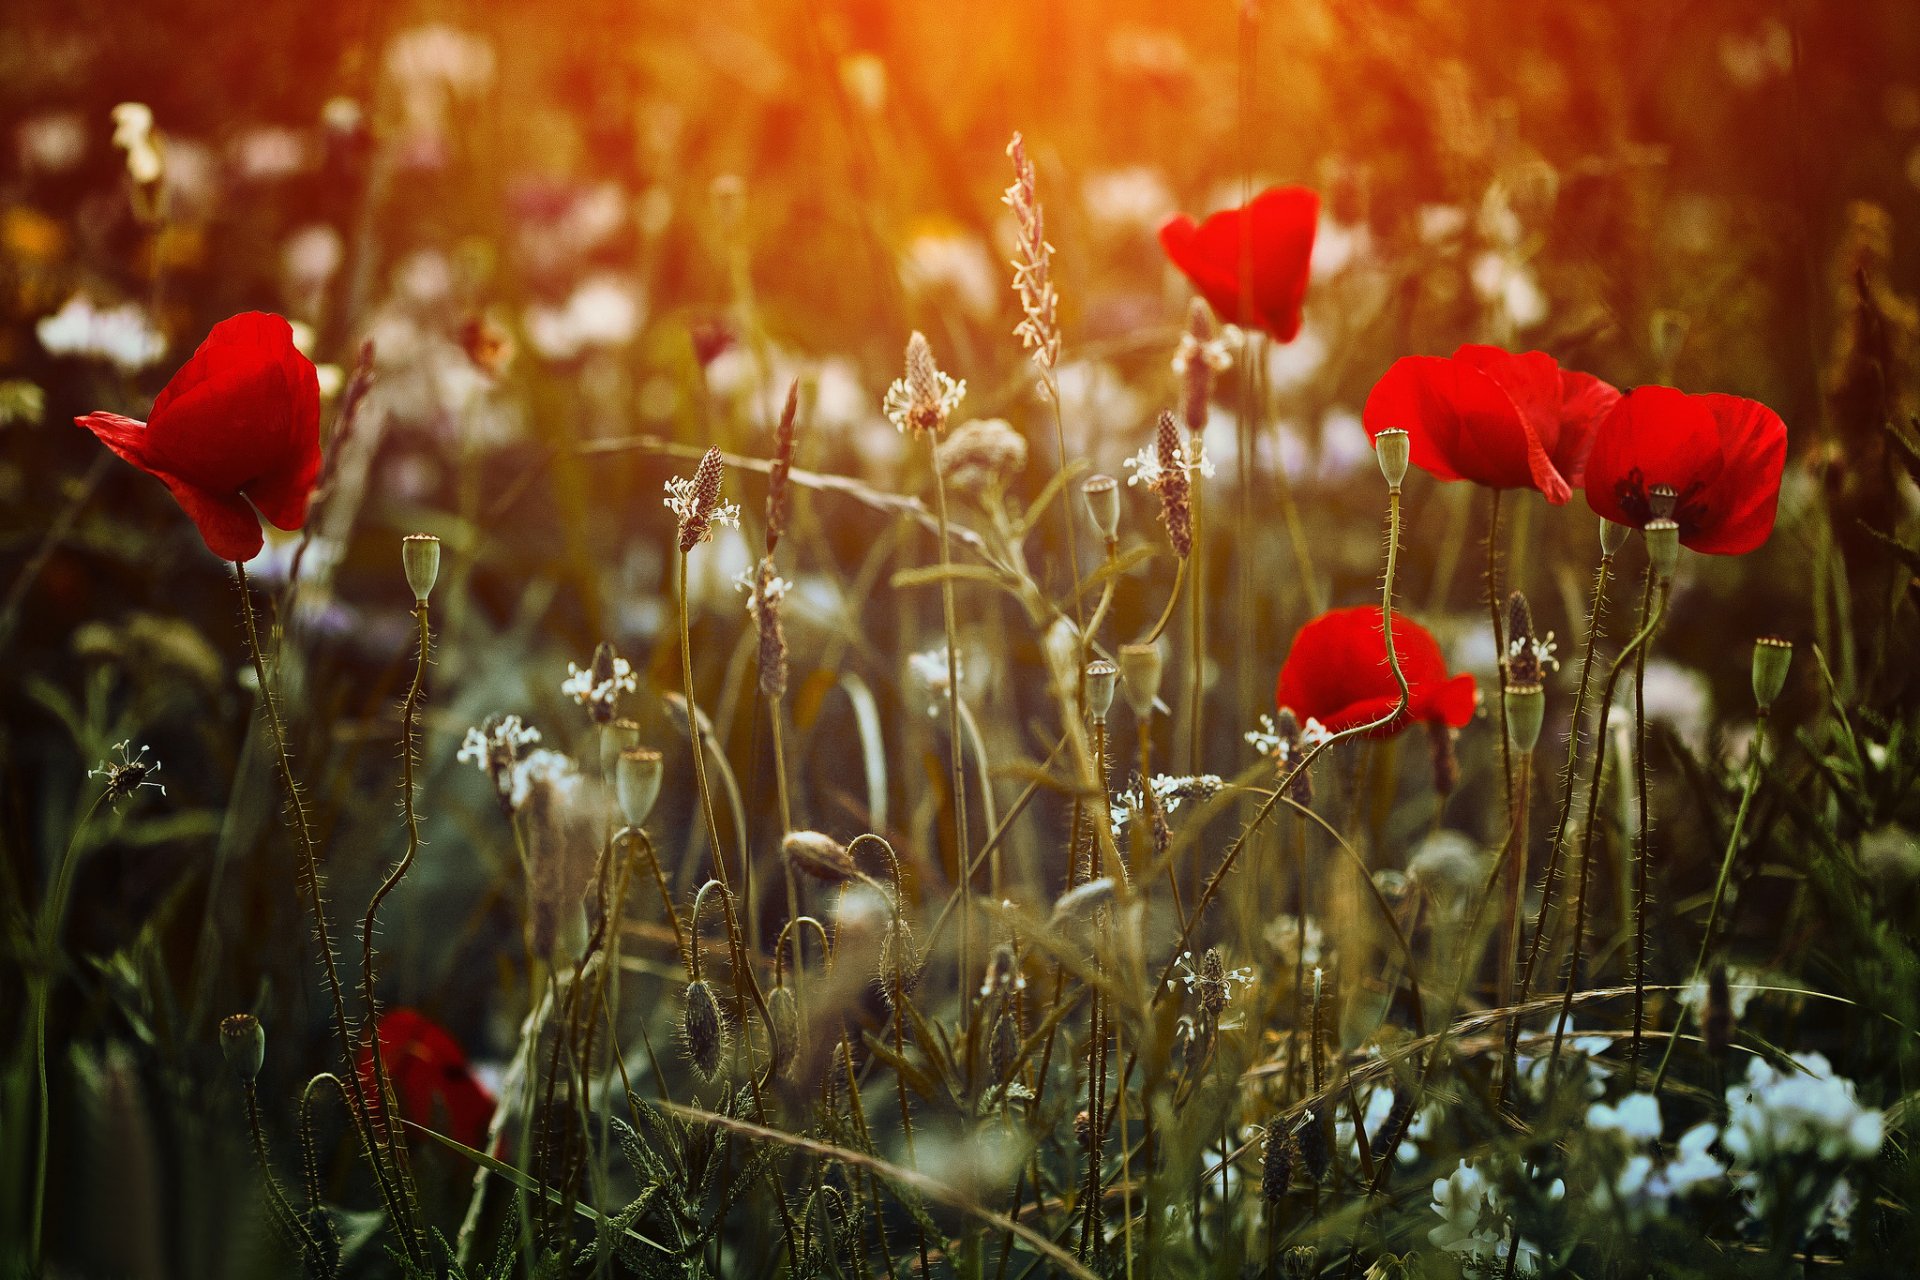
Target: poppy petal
[1741,501]
[1532,381]
[125,436]
[1460,423]
[226,522]
[1585,402]
[1251,264]
[1652,436]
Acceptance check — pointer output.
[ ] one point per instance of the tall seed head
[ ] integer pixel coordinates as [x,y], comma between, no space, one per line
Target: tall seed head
[1772,657]
[777,482]
[636,783]
[243,1044]
[1276,1165]
[1102,679]
[1140,667]
[1393,448]
[1102,494]
[1174,484]
[420,557]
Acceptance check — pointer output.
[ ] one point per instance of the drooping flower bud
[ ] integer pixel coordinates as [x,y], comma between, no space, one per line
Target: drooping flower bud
[1772,656]
[703,1027]
[820,856]
[420,557]
[1140,668]
[783,1029]
[1102,678]
[244,1045]
[1393,448]
[1102,494]
[1082,902]
[636,783]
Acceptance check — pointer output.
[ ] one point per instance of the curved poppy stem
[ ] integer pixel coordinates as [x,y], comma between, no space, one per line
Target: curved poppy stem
[1551,877]
[409,718]
[1594,787]
[1212,887]
[956,753]
[309,880]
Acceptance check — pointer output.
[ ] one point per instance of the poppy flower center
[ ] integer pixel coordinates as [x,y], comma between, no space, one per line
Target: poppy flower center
[1642,502]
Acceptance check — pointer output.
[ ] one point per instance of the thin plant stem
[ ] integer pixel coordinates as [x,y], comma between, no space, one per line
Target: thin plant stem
[955,753]
[1594,788]
[292,1223]
[1499,645]
[1551,877]
[309,879]
[1197,632]
[1720,884]
[1173,598]
[53,913]
[1516,874]
[409,718]
[1641,852]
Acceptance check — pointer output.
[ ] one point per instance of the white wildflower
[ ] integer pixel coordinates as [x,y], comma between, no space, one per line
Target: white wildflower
[1146,468]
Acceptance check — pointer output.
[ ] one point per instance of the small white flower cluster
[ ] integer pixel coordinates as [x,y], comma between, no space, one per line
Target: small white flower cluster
[127,774]
[1788,1135]
[604,312]
[1193,978]
[582,688]
[681,501]
[1576,1061]
[1543,650]
[1215,353]
[495,749]
[122,336]
[748,580]
[1474,1223]
[902,406]
[1168,792]
[1648,1179]
[1267,741]
[1145,465]
[929,667]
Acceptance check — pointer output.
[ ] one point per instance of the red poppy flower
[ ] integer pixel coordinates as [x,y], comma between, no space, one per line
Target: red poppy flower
[1721,457]
[1337,673]
[1275,232]
[430,1077]
[1499,419]
[240,422]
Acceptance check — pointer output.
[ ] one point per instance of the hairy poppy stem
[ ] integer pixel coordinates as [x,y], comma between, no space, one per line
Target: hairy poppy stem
[1596,613]
[1594,788]
[390,1196]
[1641,853]
[409,717]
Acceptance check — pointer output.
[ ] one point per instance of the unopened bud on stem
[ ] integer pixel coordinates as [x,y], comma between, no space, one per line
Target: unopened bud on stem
[1394,449]
[1771,658]
[420,557]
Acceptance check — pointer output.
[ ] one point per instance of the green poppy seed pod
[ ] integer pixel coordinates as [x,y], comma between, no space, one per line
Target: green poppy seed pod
[636,783]
[1103,504]
[1526,711]
[1394,449]
[1771,658]
[1102,678]
[420,557]
[1663,548]
[1612,536]
[1140,675]
[616,736]
[244,1044]
[820,856]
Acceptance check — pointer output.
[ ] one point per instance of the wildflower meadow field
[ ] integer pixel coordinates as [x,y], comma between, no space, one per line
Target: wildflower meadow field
[857,638]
